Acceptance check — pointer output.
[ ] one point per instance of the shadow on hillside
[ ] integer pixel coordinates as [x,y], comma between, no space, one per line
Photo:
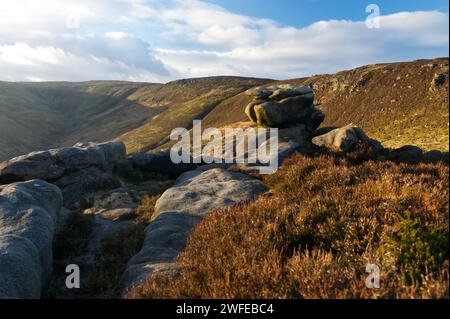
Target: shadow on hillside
[404,155]
[64,114]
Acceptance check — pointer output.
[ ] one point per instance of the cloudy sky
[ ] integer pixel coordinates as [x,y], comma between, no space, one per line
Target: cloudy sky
[163,40]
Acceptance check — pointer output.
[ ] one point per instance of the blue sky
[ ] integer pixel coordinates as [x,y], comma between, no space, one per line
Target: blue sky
[300,13]
[163,40]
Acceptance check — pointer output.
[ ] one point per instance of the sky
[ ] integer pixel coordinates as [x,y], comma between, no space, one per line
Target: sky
[164,40]
[304,12]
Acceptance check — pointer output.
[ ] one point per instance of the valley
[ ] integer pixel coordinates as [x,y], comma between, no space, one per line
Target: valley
[397,103]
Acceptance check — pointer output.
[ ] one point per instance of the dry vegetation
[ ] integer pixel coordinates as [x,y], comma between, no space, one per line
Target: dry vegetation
[146,208]
[116,250]
[73,238]
[313,234]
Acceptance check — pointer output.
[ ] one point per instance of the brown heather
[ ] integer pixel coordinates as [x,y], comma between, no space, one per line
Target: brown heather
[146,208]
[313,234]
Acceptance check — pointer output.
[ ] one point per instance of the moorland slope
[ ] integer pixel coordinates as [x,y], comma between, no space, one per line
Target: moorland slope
[396,103]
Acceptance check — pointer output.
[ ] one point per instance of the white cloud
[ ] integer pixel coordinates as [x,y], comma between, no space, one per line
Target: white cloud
[117,35]
[50,64]
[23,54]
[155,40]
[66,39]
[282,52]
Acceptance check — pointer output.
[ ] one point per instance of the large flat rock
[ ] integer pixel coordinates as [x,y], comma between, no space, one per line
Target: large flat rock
[178,211]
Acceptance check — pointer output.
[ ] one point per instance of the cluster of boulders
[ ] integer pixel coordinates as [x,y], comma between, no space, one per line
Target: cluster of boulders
[286,105]
[87,168]
[39,189]
[281,105]
[291,109]
[77,170]
[53,164]
[88,178]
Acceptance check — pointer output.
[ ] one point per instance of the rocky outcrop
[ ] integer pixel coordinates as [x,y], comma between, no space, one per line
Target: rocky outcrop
[100,180]
[77,171]
[346,139]
[177,212]
[283,105]
[53,164]
[28,216]
[439,78]
[293,139]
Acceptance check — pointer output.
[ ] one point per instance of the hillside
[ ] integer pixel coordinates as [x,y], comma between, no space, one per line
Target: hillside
[397,103]
[401,103]
[37,116]
[184,101]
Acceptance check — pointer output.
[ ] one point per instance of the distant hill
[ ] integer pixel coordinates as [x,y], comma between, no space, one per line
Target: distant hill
[396,103]
[37,116]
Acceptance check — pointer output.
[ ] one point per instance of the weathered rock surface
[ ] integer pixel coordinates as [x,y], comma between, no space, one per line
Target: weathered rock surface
[282,105]
[53,164]
[439,80]
[179,209]
[78,186]
[290,140]
[115,206]
[77,171]
[28,217]
[346,139]
[197,192]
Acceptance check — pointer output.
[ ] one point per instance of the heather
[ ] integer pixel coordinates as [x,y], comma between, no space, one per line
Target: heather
[311,236]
